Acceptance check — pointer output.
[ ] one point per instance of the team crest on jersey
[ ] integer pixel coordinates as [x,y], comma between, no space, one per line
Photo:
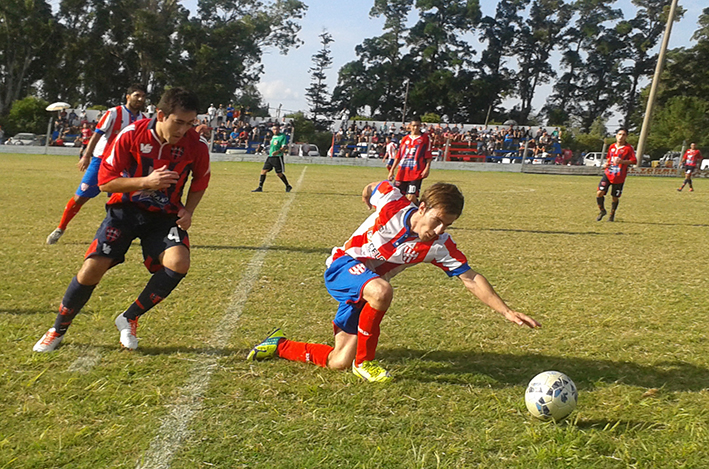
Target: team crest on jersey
[409,255]
[177,152]
[357,269]
[112,234]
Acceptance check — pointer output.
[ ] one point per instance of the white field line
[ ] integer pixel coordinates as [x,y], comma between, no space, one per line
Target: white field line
[175,426]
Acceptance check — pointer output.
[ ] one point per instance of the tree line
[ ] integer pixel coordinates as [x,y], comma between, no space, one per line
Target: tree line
[453,60]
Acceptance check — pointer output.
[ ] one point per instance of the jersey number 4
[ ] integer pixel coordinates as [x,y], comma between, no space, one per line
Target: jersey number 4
[174,235]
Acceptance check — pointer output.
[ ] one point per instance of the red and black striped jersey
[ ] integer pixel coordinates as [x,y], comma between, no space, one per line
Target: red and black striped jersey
[138,150]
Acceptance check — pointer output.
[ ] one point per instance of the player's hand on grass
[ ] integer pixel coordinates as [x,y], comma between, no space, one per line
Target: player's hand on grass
[184,219]
[521,319]
[161,178]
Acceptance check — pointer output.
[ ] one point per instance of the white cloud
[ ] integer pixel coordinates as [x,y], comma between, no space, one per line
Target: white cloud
[277,90]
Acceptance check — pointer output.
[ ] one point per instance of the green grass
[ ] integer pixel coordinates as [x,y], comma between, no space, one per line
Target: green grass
[623,307]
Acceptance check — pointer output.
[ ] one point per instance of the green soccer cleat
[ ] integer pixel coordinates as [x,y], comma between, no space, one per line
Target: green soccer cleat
[371,371]
[267,348]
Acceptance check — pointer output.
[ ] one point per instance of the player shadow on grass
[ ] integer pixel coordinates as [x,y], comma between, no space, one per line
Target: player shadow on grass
[26,311]
[514,230]
[500,370]
[326,251]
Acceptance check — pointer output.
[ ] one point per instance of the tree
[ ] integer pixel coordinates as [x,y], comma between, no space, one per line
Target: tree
[317,94]
[220,50]
[647,27]
[539,34]
[27,115]
[440,56]
[579,38]
[27,33]
[376,79]
[499,32]
[681,119]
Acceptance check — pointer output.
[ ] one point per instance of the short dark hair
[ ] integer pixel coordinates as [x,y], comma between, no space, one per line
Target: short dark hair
[623,128]
[178,98]
[445,196]
[137,87]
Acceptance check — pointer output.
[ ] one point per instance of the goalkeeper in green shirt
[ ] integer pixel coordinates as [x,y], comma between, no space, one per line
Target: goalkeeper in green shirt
[278,147]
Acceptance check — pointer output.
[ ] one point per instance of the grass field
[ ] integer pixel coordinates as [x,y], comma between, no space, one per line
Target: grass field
[623,307]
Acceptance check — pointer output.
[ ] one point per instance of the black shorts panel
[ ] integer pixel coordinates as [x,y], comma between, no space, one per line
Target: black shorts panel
[274,162]
[124,223]
[616,189]
[409,187]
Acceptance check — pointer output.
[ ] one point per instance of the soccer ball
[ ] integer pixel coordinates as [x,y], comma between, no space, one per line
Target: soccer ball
[551,395]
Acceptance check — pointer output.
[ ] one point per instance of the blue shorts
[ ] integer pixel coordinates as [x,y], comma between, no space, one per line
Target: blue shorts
[123,223]
[345,279]
[89,183]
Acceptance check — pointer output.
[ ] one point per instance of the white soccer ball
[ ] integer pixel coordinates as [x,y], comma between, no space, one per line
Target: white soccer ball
[551,395]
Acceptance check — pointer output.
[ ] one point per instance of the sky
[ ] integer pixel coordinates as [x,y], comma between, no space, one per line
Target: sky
[286,77]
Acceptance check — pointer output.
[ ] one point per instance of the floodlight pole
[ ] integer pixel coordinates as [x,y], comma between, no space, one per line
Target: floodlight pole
[406,98]
[655,82]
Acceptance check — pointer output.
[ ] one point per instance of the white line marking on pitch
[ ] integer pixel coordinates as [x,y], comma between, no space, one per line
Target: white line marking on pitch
[175,426]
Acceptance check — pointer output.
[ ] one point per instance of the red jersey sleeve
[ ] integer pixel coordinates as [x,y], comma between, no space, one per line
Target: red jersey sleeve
[201,171]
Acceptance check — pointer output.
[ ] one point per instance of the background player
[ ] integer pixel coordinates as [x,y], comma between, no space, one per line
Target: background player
[86,134]
[391,151]
[278,147]
[398,235]
[413,161]
[690,160]
[145,172]
[111,123]
[620,156]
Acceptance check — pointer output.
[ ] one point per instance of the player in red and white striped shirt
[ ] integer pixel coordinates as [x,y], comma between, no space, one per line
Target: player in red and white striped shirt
[397,235]
[108,128]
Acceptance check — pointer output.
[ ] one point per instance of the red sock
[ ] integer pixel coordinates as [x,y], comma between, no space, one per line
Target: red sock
[71,209]
[368,333]
[304,352]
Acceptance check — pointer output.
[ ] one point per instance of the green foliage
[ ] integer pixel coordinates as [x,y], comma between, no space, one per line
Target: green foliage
[27,115]
[431,118]
[681,119]
[317,94]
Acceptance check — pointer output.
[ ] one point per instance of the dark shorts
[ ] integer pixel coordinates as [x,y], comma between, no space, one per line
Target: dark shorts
[409,187]
[124,223]
[689,169]
[616,189]
[345,279]
[274,162]
[89,183]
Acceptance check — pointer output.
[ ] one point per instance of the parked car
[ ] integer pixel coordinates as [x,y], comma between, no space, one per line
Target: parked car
[304,149]
[671,159]
[593,158]
[23,138]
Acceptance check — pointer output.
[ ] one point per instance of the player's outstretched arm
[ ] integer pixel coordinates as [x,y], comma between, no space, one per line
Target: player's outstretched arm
[480,287]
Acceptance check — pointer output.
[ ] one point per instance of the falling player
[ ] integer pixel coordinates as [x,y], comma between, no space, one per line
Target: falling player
[398,235]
